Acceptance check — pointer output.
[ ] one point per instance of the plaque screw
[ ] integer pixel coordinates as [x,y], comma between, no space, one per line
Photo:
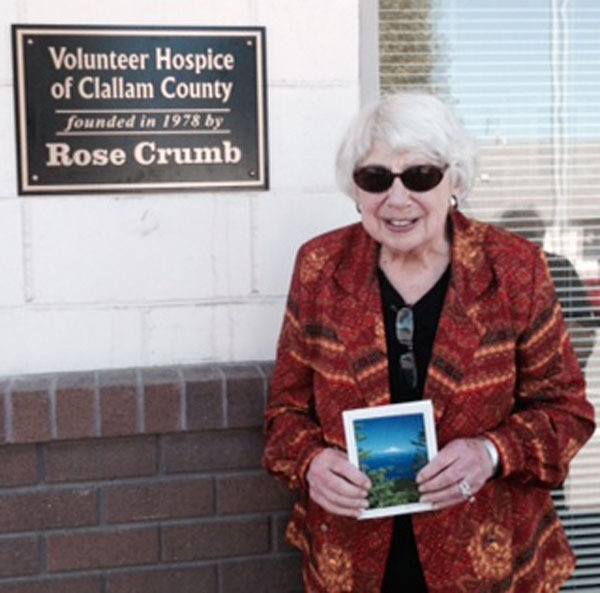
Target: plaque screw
[252,173]
[34,177]
[249,43]
[30,42]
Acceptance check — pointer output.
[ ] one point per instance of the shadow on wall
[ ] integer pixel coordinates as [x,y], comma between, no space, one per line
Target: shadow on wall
[581,316]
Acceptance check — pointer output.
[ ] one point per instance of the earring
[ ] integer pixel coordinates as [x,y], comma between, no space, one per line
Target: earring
[453,202]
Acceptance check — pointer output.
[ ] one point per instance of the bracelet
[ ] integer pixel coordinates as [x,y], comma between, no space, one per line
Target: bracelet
[493,453]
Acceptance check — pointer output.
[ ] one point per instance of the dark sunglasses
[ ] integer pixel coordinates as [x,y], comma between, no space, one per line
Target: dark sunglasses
[405,329]
[376,179]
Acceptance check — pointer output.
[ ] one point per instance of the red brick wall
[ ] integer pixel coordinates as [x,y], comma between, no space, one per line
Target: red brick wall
[140,481]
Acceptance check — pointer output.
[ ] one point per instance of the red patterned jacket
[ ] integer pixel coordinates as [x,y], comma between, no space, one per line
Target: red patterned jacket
[502,365]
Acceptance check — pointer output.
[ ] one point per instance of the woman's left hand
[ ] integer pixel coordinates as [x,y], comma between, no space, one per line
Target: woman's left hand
[456,473]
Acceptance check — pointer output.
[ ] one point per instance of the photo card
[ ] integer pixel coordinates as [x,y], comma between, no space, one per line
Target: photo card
[391,444]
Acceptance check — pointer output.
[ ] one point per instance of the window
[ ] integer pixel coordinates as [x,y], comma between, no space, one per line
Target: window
[525,79]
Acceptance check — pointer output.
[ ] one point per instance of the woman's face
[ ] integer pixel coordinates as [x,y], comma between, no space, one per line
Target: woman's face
[402,220]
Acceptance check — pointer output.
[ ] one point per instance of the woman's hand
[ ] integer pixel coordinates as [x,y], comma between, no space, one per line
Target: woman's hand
[456,473]
[336,485]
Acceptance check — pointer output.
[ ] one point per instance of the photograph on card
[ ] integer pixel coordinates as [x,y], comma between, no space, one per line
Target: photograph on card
[391,444]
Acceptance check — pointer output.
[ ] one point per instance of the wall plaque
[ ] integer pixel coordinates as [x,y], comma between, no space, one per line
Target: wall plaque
[139,108]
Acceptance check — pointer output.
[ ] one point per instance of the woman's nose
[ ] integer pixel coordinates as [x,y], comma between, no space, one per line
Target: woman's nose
[397,193]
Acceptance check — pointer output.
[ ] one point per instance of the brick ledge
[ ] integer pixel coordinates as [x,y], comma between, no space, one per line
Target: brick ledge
[154,400]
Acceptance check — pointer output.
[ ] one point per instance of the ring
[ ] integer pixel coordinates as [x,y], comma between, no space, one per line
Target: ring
[466,491]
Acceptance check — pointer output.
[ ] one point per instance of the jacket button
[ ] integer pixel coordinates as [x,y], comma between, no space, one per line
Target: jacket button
[324,528]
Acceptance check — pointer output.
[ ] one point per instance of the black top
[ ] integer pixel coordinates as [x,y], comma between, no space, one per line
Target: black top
[403,572]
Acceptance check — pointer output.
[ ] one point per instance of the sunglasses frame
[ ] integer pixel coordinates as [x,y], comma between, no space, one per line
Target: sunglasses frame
[387,174]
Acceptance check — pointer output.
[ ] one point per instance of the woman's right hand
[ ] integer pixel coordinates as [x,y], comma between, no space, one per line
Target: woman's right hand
[336,485]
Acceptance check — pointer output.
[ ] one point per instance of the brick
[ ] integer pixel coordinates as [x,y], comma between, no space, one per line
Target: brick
[31,409]
[19,556]
[215,539]
[252,494]
[212,450]
[100,459]
[245,388]
[118,402]
[32,383]
[102,549]
[18,465]
[267,368]
[280,523]
[4,384]
[76,405]
[174,499]
[265,575]
[47,510]
[162,400]
[203,397]
[187,580]
[55,585]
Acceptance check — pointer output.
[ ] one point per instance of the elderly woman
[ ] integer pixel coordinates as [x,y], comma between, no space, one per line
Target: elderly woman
[482,337]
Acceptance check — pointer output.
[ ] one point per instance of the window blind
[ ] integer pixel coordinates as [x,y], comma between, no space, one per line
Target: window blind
[525,79]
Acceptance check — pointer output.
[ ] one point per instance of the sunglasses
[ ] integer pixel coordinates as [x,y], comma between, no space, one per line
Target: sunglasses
[405,329]
[419,178]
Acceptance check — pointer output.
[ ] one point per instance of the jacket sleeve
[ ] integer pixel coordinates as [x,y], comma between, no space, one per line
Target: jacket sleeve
[293,435]
[552,418]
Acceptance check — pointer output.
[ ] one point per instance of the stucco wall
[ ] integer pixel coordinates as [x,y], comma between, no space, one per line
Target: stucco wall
[125,280]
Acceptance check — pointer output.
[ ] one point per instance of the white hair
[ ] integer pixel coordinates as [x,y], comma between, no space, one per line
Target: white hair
[409,121]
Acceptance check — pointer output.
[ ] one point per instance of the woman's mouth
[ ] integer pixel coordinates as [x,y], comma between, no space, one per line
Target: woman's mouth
[400,224]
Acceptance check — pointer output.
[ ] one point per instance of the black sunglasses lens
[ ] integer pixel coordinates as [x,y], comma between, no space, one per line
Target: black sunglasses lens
[404,326]
[408,366]
[379,179]
[421,178]
[373,179]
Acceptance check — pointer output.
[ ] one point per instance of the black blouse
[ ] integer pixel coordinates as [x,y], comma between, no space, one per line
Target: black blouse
[403,572]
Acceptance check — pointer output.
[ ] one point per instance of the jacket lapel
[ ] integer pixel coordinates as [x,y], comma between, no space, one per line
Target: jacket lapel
[360,320]
[461,328]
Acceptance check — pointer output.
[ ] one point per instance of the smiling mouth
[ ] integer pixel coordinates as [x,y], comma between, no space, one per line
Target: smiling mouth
[401,223]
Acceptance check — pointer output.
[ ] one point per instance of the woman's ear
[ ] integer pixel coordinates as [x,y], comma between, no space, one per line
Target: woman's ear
[457,187]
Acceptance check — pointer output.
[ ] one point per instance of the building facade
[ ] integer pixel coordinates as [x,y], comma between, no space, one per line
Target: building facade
[139,329]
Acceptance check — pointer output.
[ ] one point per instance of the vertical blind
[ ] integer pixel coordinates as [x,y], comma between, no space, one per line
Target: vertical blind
[525,79]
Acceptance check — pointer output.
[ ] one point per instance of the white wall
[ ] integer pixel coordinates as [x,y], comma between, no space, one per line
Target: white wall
[148,279]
